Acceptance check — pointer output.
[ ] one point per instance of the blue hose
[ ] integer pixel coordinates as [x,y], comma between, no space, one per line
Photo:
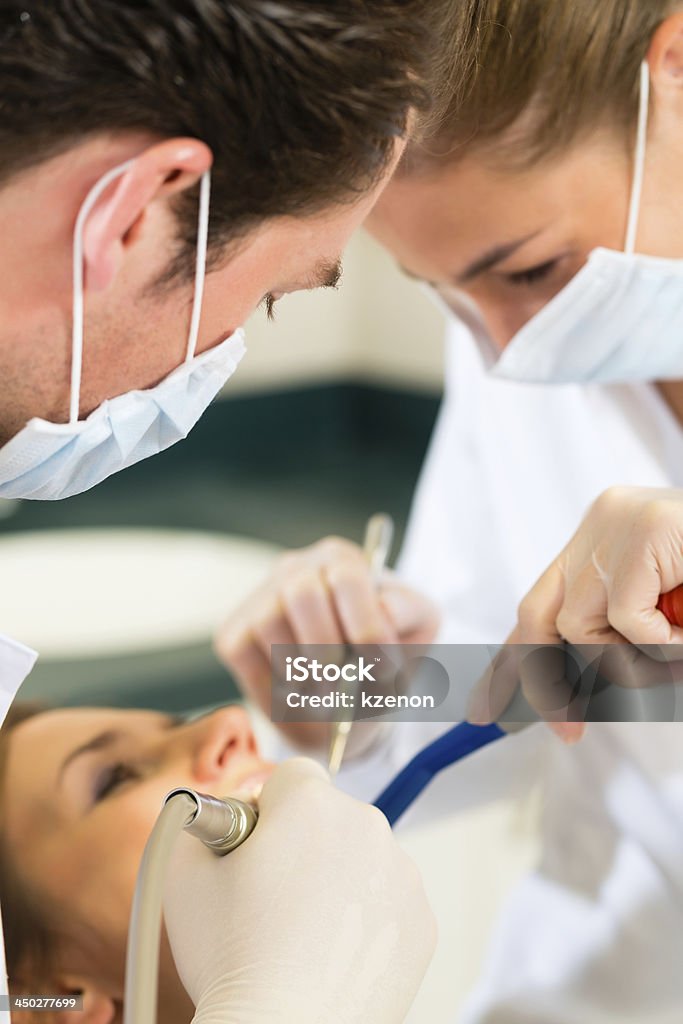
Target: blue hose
[458,742]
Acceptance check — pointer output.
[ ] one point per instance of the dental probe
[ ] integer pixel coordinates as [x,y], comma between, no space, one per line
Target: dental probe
[379,534]
[222,825]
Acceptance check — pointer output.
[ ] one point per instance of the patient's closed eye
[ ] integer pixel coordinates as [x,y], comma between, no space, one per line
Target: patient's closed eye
[112,777]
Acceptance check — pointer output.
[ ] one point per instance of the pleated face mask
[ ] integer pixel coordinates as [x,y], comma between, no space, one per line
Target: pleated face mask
[57,460]
[619,319]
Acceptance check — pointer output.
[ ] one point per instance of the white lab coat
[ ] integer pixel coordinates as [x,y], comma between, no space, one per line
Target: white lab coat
[16,661]
[595,934]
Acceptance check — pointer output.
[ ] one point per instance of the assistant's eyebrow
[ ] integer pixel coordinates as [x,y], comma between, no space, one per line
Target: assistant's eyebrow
[492,257]
[99,742]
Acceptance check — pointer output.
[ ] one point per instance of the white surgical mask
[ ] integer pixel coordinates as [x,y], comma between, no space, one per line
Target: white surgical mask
[56,460]
[619,319]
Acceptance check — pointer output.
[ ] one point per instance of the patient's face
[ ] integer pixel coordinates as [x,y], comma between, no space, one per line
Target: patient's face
[85,786]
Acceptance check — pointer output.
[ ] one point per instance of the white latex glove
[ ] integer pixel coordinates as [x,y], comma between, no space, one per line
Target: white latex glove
[602,589]
[604,586]
[323,594]
[318,918]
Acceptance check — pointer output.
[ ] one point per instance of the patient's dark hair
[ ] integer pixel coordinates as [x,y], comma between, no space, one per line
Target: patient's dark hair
[31,931]
[300,101]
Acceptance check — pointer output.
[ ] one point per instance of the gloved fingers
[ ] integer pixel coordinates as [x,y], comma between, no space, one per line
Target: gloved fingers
[540,673]
[357,603]
[242,654]
[241,631]
[542,666]
[552,688]
[633,594]
[300,787]
[287,781]
[309,608]
[494,691]
[414,618]
[537,612]
[632,667]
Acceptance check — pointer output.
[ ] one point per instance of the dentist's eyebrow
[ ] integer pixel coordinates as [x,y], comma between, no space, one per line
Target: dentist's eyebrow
[326,275]
[491,258]
[100,742]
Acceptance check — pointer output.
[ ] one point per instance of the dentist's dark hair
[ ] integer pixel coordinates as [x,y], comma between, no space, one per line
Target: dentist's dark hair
[522,80]
[300,101]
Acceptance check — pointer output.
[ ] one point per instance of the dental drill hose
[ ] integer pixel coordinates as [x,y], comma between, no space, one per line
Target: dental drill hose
[222,825]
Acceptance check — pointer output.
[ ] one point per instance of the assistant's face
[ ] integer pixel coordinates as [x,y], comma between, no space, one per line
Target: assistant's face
[84,788]
[511,241]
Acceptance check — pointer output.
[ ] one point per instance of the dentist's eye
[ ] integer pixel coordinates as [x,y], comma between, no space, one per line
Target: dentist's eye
[112,777]
[269,303]
[533,274]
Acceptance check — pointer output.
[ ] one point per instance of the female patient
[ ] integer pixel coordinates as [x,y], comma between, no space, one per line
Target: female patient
[81,790]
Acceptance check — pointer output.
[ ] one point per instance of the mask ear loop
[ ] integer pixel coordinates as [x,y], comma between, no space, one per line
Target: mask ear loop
[200,266]
[78,275]
[639,159]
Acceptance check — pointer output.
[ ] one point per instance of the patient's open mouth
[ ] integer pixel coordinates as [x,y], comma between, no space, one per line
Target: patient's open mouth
[248,788]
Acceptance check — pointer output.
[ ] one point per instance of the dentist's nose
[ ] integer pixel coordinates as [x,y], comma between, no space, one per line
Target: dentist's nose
[218,737]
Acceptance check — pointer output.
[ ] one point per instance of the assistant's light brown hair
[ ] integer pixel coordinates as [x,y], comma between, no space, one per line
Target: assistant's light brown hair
[524,79]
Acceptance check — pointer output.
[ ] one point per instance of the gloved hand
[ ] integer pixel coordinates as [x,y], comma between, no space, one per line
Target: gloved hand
[602,589]
[318,918]
[323,594]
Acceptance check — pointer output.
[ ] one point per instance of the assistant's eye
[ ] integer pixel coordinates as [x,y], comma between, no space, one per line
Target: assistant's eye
[532,275]
[112,777]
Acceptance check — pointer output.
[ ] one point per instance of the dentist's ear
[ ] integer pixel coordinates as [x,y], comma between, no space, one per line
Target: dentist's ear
[163,169]
[665,58]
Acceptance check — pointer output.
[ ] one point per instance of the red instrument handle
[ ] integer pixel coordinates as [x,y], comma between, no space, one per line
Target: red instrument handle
[671,605]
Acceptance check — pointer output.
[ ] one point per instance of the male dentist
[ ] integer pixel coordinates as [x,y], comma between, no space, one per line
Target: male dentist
[165,168]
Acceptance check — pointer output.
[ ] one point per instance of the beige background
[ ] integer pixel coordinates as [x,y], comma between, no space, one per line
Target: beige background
[379,326]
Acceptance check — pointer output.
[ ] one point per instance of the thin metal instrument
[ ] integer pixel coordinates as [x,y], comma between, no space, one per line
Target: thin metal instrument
[379,534]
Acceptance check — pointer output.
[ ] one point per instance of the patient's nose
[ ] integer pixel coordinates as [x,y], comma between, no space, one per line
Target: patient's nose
[217,738]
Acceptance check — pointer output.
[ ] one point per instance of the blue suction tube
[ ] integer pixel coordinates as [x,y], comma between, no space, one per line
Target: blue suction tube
[458,742]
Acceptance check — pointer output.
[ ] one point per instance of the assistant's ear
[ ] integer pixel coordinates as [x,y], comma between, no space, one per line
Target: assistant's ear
[164,168]
[665,58]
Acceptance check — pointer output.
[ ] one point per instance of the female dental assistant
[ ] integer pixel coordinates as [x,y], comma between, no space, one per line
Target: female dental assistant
[593,935]
[537,186]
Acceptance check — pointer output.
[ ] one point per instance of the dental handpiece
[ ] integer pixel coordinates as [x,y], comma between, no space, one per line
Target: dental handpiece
[222,825]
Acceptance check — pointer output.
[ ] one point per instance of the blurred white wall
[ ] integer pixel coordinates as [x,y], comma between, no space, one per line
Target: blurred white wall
[378,327]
